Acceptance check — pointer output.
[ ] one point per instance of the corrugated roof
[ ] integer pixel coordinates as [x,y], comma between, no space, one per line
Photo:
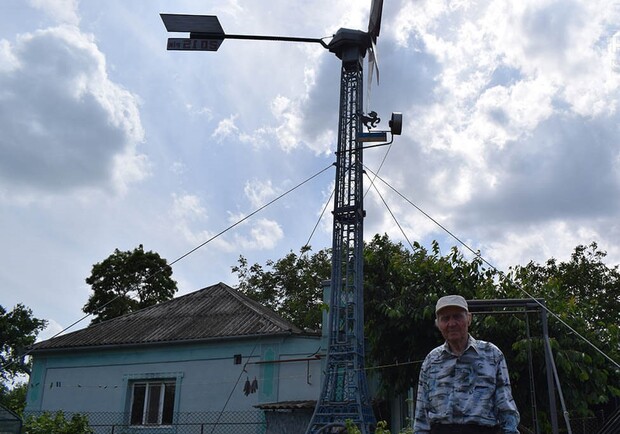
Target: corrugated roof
[217,311]
[287,405]
[7,415]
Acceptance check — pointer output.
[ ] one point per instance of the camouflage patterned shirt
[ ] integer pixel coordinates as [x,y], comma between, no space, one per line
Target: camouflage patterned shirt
[471,388]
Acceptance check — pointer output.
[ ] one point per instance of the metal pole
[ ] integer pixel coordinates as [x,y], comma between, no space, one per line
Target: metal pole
[531,372]
[549,368]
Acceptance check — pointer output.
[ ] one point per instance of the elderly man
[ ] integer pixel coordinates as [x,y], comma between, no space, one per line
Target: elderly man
[464,386]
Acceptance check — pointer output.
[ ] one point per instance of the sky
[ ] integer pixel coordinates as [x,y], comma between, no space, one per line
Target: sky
[107,140]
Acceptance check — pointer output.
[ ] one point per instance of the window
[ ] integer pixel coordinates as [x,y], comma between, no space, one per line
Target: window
[152,402]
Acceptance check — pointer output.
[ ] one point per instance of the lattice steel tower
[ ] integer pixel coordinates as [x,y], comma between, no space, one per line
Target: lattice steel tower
[344,392]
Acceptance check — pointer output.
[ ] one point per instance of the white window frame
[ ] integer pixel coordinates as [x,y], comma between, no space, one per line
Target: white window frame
[149,388]
[150,380]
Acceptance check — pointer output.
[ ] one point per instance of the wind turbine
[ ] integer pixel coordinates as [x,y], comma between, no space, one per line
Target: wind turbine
[344,393]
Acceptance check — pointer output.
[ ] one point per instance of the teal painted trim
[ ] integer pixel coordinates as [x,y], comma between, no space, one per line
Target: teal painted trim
[269,373]
[34,395]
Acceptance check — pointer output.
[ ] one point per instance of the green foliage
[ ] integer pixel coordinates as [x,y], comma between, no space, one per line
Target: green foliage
[402,285]
[14,398]
[584,293]
[128,281]
[18,329]
[351,427]
[401,288]
[382,428]
[57,423]
[293,286]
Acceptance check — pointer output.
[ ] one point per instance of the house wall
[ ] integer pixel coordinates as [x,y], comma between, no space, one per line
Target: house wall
[206,375]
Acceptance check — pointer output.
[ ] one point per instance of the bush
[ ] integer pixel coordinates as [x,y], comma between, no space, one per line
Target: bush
[382,428]
[49,423]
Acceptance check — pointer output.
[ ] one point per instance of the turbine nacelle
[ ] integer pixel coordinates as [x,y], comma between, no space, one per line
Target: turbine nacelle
[350,45]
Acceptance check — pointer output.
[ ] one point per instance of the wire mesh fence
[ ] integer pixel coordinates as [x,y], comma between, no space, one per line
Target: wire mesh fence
[232,422]
[588,425]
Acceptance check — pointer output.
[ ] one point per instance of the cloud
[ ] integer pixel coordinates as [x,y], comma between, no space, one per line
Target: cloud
[287,112]
[52,329]
[264,235]
[259,192]
[542,241]
[187,206]
[63,11]
[190,218]
[225,128]
[65,125]
[512,139]
[613,51]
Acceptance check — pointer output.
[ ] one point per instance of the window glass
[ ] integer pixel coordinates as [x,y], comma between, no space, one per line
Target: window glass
[137,404]
[168,410]
[152,403]
[152,411]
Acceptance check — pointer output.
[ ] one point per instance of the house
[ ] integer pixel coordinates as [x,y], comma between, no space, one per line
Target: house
[10,423]
[212,361]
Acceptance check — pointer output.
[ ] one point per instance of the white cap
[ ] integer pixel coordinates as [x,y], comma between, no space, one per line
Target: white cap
[451,300]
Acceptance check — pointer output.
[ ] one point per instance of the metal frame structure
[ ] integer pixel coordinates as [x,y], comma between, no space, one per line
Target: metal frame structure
[344,394]
[536,306]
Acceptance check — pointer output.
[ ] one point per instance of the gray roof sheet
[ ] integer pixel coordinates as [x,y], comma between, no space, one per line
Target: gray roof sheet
[214,312]
[287,405]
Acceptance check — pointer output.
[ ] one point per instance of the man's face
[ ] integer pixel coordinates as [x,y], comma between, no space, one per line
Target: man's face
[453,323]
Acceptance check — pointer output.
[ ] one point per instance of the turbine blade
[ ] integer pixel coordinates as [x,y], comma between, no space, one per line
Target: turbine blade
[373,66]
[374,22]
[373,60]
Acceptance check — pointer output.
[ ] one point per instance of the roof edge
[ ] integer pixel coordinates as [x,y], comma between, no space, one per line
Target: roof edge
[98,347]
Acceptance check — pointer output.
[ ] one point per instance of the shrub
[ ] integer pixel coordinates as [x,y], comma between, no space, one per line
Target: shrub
[57,423]
[382,428]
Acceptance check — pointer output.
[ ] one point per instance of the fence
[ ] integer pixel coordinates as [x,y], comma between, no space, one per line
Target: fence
[232,422]
[588,425]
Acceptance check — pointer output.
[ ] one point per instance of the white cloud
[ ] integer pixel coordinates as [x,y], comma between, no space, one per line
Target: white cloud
[511,135]
[515,139]
[188,206]
[8,60]
[199,111]
[52,329]
[65,124]
[613,52]
[259,193]
[264,235]
[287,112]
[63,11]
[190,219]
[225,128]
[553,239]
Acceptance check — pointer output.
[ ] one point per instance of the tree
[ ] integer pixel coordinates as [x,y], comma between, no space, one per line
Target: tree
[14,398]
[401,288]
[293,286]
[128,281]
[584,293]
[402,285]
[18,330]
